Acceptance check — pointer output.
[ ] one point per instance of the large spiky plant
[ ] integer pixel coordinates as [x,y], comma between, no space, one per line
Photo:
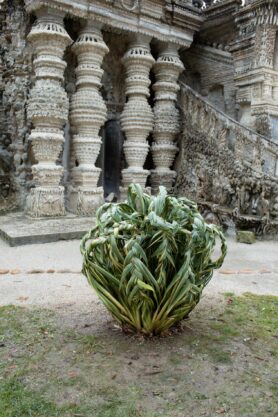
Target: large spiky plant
[149,259]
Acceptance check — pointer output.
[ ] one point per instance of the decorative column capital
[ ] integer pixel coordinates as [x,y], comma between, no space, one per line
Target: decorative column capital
[49,29]
[167,69]
[90,39]
[49,26]
[48,13]
[140,40]
[89,25]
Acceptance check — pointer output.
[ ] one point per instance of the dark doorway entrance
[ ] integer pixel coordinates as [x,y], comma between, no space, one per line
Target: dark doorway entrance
[112,161]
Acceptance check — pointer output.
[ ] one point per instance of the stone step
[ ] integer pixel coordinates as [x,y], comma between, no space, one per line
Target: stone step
[17,229]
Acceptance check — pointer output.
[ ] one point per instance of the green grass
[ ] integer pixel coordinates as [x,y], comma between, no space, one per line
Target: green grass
[18,401]
[257,315]
[224,360]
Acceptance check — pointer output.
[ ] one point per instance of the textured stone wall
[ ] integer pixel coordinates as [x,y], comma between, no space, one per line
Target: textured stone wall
[15,80]
[212,68]
[226,168]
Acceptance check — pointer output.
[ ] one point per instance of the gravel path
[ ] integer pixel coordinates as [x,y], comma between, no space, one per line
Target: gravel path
[49,274]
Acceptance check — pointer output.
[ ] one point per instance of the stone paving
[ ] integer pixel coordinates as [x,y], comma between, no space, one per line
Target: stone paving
[17,229]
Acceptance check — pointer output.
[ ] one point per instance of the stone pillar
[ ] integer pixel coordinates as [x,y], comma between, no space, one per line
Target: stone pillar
[87,115]
[263,107]
[166,115]
[48,110]
[137,116]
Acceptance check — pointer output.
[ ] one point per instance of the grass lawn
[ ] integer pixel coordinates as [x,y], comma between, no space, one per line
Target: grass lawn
[224,361]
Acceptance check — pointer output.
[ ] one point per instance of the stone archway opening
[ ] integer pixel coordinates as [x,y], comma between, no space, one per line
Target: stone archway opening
[112,159]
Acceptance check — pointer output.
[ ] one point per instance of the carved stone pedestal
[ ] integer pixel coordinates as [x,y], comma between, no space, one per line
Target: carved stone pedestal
[88,113]
[48,111]
[166,116]
[137,117]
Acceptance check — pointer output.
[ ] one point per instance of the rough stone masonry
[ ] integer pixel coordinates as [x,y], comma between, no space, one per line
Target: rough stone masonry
[97,94]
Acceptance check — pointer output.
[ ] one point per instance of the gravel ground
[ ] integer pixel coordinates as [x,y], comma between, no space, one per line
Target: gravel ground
[49,274]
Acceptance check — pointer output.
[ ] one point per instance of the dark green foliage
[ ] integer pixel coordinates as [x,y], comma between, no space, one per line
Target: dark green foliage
[149,259]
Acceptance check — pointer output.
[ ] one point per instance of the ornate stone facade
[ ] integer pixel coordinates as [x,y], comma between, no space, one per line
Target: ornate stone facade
[167,125]
[90,73]
[48,110]
[255,52]
[88,114]
[230,170]
[137,117]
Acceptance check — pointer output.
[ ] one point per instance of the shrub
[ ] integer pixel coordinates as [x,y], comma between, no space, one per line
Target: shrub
[149,259]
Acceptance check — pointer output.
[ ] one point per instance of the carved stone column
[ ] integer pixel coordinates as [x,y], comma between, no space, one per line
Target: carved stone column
[166,115]
[48,111]
[87,115]
[137,116]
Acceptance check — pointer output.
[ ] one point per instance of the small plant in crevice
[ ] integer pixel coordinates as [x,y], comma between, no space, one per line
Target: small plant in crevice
[149,259]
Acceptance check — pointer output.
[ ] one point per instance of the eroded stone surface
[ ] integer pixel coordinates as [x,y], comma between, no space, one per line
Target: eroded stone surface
[17,229]
[74,58]
[222,166]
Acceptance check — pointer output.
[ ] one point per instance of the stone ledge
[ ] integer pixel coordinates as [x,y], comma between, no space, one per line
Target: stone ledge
[17,229]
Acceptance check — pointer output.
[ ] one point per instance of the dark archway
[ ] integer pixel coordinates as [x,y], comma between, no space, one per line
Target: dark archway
[112,160]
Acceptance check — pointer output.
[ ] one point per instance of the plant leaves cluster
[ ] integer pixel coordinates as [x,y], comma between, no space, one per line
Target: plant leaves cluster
[149,259]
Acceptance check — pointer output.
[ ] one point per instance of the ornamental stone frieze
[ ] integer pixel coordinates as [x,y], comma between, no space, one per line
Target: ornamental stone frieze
[166,20]
[87,115]
[167,69]
[137,117]
[48,111]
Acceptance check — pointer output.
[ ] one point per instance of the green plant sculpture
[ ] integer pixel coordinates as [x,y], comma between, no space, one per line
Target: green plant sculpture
[149,259]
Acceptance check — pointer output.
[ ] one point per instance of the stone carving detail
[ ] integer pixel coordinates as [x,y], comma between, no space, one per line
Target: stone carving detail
[220,162]
[137,117]
[166,116]
[134,5]
[255,59]
[87,115]
[226,167]
[48,111]
[264,46]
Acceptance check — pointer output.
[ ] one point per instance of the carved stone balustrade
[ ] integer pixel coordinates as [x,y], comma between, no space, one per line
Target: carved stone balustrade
[167,118]
[87,115]
[137,116]
[48,112]
[225,163]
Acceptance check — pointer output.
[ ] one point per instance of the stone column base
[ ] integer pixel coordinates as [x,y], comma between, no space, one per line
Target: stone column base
[165,178]
[46,202]
[85,202]
[136,176]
